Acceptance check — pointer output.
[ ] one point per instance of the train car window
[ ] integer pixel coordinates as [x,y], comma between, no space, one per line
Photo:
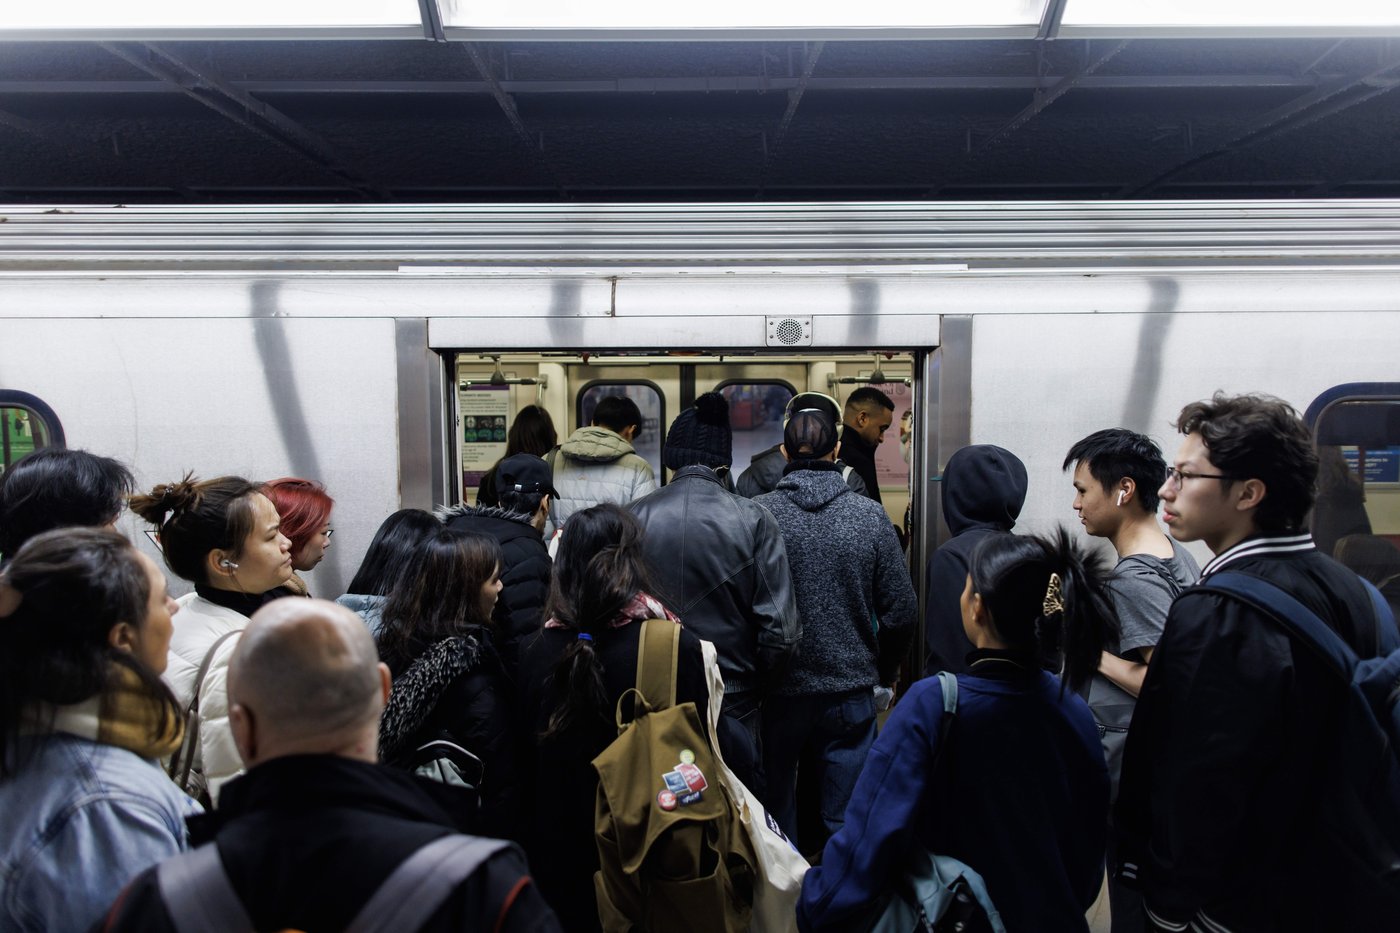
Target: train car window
[27,424]
[649,401]
[755,416]
[1356,517]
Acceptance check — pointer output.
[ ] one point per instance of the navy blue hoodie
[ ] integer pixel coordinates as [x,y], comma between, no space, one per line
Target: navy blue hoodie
[983,490]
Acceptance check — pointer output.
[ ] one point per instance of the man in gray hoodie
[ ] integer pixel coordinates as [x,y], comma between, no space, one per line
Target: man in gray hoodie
[858,611]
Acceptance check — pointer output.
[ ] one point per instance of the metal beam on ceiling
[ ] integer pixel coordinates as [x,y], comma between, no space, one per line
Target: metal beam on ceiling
[809,64]
[1328,100]
[241,107]
[1050,19]
[507,104]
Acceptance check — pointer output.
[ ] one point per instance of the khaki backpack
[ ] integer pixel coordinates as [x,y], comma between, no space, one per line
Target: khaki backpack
[673,851]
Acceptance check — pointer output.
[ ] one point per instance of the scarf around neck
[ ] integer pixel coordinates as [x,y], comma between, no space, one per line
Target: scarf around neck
[127,714]
[639,608]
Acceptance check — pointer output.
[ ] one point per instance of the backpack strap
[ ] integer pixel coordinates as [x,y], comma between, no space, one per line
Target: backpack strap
[658,651]
[182,762]
[1296,618]
[198,895]
[1387,635]
[422,882]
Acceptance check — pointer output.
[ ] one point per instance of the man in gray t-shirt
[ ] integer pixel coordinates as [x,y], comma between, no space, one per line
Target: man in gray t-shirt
[1116,476]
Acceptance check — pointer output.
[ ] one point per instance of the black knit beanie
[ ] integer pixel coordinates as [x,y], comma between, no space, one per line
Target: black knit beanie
[700,435]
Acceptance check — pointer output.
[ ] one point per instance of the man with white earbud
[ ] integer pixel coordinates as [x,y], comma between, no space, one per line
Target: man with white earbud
[1116,476]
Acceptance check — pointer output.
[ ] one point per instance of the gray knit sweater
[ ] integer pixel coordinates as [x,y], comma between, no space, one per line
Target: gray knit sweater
[854,595]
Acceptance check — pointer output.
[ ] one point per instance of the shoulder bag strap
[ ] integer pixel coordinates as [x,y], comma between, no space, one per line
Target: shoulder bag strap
[949,683]
[1296,618]
[658,651]
[419,886]
[182,762]
[1387,636]
[198,895]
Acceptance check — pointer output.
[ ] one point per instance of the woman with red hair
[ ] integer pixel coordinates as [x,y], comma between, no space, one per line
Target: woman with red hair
[306,519]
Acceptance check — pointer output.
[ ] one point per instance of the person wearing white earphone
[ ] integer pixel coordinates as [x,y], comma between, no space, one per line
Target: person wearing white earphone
[1117,473]
[224,536]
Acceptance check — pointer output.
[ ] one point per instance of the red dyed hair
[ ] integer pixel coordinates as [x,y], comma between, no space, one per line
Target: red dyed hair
[302,505]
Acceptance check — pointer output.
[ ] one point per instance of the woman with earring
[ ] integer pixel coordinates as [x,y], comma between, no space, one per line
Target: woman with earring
[224,536]
[1013,783]
[84,630]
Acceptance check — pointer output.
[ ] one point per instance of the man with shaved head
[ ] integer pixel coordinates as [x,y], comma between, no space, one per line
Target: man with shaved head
[317,834]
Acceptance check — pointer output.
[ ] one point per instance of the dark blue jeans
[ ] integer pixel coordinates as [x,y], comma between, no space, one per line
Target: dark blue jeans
[822,741]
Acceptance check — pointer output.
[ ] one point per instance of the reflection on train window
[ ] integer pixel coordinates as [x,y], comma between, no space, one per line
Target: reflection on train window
[1357,514]
[647,395]
[26,425]
[755,417]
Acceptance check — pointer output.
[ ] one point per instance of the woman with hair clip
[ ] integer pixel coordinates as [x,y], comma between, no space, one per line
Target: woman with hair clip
[1014,783]
[437,639]
[305,510]
[389,552]
[572,675]
[532,432]
[224,536]
[84,630]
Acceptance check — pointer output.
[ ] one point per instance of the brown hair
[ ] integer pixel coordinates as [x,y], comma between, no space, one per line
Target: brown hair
[193,518]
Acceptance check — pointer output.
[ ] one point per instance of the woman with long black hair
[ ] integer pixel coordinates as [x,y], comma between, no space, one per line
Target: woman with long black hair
[1014,785]
[572,675]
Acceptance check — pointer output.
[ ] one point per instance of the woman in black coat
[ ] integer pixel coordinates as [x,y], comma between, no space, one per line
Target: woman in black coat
[448,682]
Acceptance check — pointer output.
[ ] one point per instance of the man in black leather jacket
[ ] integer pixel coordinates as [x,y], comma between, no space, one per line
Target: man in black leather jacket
[720,562]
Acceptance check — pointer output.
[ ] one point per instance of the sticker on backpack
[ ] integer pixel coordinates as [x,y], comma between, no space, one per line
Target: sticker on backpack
[684,783]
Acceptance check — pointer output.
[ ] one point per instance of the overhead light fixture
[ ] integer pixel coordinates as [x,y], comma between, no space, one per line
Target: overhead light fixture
[1244,18]
[108,19]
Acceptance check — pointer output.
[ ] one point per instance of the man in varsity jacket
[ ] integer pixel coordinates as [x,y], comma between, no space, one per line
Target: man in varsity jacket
[1218,819]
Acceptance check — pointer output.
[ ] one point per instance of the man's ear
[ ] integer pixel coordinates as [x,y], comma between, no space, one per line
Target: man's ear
[244,728]
[386,681]
[123,637]
[836,451]
[544,505]
[1250,493]
[782,448]
[1128,488]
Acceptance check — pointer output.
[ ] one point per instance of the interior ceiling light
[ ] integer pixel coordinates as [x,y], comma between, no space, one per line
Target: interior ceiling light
[737,16]
[97,16]
[1230,17]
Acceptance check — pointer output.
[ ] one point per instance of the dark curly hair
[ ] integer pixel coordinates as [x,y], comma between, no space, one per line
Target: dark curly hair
[1114,453]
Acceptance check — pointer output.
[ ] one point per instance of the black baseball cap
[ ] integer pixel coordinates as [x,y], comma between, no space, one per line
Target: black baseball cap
[525,473]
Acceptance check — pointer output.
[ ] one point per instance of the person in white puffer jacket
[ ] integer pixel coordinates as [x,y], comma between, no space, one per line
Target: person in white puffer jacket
[223,535]
[598,464]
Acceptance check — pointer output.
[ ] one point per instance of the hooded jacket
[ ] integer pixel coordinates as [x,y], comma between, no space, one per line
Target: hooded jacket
[525,572]
[596,465]
[720,560]
[854,595]
[983,489]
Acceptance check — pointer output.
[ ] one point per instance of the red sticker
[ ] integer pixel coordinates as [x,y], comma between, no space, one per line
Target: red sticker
[666,800]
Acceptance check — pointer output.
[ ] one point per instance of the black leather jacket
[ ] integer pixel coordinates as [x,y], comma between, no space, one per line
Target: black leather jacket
[720,562]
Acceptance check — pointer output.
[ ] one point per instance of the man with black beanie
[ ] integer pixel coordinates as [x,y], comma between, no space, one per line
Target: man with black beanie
[720,562]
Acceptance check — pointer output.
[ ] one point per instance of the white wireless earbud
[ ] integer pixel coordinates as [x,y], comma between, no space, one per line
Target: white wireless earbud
[1121,494]
[232,566]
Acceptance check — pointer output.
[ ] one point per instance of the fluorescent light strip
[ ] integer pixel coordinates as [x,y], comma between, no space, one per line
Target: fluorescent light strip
[97,15]
[1243,14]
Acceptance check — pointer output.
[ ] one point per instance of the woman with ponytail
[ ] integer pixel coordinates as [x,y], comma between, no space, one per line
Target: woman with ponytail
[84,630]
[224,536]
[1014,784]
[572,675]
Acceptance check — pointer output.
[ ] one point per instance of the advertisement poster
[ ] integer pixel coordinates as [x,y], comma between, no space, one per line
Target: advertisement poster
[890,465]
[485,416]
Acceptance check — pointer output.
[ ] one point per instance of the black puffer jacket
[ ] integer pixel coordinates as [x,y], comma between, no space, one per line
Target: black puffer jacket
[525,572]
[766,468]
[720,561]
[456,689]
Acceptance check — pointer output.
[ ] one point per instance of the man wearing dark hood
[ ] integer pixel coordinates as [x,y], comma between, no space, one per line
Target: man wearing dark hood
[984,487]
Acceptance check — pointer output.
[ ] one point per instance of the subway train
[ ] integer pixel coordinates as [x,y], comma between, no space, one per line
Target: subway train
[384,350]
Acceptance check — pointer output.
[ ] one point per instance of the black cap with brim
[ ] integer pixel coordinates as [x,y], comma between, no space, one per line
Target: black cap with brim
[526,473]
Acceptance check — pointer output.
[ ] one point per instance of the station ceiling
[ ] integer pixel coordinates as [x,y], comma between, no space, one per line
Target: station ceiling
[422,121]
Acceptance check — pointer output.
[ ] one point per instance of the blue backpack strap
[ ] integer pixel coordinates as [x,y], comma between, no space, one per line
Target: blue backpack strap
[1387,635]
[1293,615]
[949,683]
[198,895]
[415,890]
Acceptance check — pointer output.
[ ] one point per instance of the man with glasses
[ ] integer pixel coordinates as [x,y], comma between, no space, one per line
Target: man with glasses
[1218,818]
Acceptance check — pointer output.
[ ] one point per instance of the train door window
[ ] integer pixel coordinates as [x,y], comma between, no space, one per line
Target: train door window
[649,401]
[27,424]
[755,415]
[1356,517]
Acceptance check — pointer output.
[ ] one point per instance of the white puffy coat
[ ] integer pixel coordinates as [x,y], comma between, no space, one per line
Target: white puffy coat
[596,465]
[199,624]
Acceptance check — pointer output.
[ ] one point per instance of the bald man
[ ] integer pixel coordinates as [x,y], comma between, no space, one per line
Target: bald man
[314,828]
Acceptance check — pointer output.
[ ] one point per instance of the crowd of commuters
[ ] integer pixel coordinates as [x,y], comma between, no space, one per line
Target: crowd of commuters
[419,753]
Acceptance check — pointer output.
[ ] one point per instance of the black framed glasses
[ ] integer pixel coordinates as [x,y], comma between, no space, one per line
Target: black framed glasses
[1175,477]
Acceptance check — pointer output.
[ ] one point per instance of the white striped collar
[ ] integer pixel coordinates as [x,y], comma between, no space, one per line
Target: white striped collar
[1259,544]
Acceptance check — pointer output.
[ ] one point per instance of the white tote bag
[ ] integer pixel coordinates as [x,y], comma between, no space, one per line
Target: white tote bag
[780,866]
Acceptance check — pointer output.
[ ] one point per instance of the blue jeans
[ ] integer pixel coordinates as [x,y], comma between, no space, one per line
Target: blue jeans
[822,741]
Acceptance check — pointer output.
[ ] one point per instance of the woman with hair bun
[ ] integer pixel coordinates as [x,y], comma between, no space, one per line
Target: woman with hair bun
[305,509]
[1014,783]
[84,631]
[572,674]
[224,536]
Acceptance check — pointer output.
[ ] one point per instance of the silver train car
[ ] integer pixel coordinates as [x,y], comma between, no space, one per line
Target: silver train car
[383,349]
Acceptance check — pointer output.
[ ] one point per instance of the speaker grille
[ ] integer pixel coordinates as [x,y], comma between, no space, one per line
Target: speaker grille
[789,331]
